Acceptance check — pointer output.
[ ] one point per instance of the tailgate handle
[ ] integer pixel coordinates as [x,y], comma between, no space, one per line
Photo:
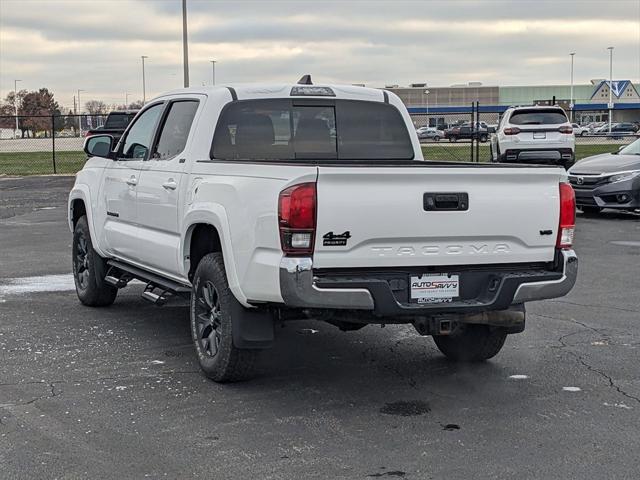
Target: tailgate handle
[446,201]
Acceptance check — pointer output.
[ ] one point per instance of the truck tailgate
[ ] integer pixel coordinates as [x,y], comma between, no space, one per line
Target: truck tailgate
[381,217]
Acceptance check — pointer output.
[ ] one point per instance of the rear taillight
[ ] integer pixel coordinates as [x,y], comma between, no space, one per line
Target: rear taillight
[511,131]
[297,219]
[567,223]
[565,129]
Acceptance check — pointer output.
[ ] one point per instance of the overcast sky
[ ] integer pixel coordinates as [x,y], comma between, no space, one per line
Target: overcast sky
[95,45]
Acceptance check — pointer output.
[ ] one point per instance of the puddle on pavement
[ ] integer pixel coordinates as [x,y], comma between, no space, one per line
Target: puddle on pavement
[451,427]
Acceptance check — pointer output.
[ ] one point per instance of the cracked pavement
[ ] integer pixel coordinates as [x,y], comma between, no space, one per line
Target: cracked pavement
[116,392]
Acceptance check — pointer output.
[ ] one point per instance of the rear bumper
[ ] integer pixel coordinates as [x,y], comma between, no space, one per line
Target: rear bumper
[555,156]
[386,295]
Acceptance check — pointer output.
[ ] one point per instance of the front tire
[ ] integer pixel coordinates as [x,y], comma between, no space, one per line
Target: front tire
[212,304]
[471,343]
[89,269]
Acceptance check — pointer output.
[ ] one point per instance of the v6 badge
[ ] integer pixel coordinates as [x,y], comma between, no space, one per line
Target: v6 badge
[331,239]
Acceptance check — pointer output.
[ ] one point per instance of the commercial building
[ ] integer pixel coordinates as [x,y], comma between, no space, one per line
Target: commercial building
[590,101]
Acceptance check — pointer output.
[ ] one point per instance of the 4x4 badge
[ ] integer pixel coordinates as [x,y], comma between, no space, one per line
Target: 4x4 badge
[330,239]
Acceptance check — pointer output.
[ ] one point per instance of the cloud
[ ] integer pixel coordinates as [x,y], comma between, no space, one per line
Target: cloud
[96,46]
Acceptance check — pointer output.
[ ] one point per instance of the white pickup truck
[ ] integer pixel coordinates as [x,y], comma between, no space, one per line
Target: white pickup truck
[270,203]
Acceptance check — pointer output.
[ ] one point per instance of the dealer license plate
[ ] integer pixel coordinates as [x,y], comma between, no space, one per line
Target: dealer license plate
[434,288]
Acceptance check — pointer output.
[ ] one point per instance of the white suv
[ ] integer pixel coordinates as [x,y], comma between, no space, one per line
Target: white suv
[534,134]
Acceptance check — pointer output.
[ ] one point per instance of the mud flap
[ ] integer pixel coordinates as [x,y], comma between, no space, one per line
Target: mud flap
[252,328]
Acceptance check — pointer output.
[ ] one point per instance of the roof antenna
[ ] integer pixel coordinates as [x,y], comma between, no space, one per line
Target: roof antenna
[305,80]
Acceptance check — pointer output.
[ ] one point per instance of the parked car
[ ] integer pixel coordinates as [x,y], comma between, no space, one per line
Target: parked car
[603,128]
[536,134]
[466,132]
[432,133]
[210,195]
[579,131]
[593,126]
[618,130]
[114,125]
[627,128]
[609,180]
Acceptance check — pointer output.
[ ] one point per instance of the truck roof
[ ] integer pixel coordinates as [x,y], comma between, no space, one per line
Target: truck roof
[246,91]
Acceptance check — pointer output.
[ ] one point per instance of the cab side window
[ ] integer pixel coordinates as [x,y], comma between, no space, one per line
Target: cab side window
[140,135]
[175,131]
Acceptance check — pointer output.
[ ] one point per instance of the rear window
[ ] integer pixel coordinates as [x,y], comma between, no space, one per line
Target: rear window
[118,120]
[284,129]
[551,116]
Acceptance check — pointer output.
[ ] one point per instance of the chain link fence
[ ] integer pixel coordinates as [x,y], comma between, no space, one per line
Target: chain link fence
[52,144]
[44,144]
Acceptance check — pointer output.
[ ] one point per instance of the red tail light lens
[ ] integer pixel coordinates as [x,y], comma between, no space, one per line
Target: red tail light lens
[297,219]
[566,129]
[567,223]
[511,131]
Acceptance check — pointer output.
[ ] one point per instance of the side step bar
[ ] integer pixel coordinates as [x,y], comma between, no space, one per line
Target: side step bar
[118,282]
[156,299]
[153,281]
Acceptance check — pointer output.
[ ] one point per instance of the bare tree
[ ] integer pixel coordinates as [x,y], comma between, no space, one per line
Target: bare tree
[95,107]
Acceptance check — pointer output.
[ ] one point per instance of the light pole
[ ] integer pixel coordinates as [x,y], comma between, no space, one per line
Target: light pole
[185,46]
[15,105]
[571,105]
[427,92]
[213,72]
[79,113]
[144,83]
[126,100]
[610,86]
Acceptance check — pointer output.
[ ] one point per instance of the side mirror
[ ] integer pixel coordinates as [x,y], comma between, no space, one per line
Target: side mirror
[99,146]
[621,147]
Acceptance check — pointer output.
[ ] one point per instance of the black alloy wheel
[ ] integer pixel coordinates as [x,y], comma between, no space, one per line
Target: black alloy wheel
[208,312]
[89,269]
[81,262]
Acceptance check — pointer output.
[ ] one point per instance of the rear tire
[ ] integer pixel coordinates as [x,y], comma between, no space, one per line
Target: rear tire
[212,304]
[89,269]
[483,138]
[471,343]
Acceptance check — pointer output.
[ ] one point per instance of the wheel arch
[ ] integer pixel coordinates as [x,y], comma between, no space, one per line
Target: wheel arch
[80,204]
[201,239]
[207,231]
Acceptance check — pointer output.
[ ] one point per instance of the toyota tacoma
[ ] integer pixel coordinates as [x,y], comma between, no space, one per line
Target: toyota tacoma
[269,203]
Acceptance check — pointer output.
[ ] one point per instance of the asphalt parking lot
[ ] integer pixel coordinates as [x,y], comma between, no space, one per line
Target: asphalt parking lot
[116,392]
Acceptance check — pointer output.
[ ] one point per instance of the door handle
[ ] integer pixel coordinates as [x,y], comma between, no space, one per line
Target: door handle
[170,184]
[133,181]
[446,201]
